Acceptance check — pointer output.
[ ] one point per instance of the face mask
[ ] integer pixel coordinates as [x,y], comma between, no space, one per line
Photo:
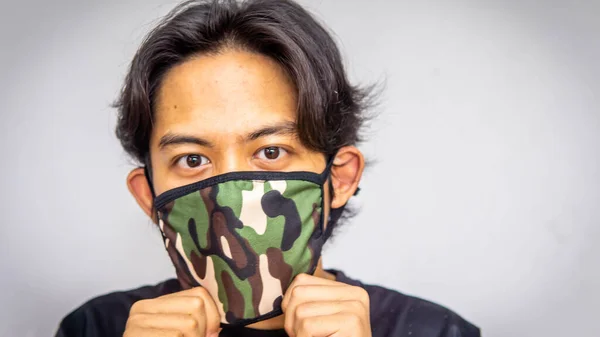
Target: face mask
[244,236]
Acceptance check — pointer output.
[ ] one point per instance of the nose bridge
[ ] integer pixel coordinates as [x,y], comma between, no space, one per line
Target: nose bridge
[231,150]
[233,159]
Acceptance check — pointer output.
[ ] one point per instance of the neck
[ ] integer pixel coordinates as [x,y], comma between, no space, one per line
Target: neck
[278,321]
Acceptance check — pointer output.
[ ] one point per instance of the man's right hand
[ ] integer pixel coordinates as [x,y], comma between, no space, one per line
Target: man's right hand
[188,313]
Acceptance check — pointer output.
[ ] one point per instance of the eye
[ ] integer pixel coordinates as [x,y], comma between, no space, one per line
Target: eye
[192,161]
[271,153]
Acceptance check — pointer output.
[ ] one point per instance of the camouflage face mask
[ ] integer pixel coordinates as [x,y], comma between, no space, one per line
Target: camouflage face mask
[244,236]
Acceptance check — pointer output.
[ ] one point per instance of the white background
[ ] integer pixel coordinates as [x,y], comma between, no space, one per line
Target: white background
[484,195]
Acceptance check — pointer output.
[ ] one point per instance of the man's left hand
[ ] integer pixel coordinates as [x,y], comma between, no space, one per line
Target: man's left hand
[315,307]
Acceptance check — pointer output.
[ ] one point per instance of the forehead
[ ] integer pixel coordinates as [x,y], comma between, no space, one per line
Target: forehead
[229,92]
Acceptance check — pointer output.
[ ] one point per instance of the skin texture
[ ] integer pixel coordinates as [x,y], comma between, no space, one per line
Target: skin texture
[217,114]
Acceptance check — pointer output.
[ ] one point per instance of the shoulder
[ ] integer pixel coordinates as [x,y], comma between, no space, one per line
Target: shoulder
[397,314]
[106,315]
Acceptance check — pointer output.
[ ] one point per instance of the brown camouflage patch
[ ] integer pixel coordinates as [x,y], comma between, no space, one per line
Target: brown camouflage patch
[235,299]
[278,267]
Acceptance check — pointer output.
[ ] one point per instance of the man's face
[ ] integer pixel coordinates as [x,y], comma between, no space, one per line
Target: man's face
[234,111]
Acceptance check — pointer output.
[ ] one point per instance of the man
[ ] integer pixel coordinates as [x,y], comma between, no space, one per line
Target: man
[245,123]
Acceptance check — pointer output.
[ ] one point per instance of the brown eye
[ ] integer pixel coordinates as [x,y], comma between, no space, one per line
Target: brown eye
[192,161]
[271,153]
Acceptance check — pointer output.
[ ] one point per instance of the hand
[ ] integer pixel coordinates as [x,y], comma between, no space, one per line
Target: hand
[315,307]
[189,313]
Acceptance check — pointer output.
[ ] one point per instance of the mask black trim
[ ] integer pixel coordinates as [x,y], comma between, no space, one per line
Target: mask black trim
[179,192]
[244,322]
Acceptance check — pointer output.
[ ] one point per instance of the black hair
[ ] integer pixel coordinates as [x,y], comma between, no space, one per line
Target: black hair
[330,109]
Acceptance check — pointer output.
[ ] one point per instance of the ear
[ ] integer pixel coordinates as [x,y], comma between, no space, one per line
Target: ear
[348,166]
[139,188]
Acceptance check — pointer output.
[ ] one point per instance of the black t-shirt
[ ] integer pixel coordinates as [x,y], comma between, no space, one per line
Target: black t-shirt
[392,314]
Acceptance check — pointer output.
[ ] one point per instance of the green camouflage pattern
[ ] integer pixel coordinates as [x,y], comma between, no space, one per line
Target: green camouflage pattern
[244,241]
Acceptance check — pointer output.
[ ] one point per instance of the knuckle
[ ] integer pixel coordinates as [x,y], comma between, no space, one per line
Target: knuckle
[306,325]
[295,291]
[303,310]
[362,295]
[137,306]
[299,291]
[197,303]
[199,291]
[302,277]
[133,319]
[356,305]
[353,320]
[190,324]
[298,315]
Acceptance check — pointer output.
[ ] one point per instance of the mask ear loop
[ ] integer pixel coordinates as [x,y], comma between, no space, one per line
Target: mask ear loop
[148,174]
[334,213]
[327,172]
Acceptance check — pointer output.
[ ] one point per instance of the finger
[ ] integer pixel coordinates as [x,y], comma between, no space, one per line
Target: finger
[146,332]
[187,324]
[320,293]
[305,279]
[190,306]
[313,309]
[196,302]
[323,326]
[213,318]
[311,279]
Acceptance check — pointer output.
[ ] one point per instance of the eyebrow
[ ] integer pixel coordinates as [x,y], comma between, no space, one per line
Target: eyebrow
[285,128]
[175,139]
